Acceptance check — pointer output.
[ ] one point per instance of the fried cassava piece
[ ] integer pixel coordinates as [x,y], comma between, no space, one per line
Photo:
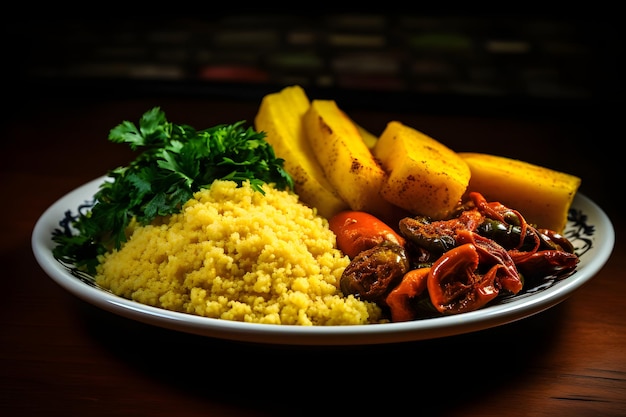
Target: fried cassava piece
[425,176]
[542,195]
[280,117]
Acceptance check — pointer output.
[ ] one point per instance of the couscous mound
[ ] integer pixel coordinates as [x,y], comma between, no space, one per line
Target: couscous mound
[237,254]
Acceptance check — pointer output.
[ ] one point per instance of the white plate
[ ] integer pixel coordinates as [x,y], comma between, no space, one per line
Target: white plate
[592,234]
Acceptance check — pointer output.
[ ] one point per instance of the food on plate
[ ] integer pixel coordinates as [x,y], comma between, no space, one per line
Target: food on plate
[280,118]
[236,254]
[460,264]
[425,176]
[345,158]
[543,195]
[369,138]
[312,220]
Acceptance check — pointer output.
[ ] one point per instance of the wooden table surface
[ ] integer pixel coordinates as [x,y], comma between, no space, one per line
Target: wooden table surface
[60,356]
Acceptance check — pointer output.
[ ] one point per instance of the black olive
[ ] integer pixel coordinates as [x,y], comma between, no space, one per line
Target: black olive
[426,234]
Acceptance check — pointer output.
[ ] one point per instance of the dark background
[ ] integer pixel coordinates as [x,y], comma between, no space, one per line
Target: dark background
[430,61]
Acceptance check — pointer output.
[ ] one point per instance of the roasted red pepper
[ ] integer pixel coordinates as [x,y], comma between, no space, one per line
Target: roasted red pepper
[357,231]
[497,211]
[491,253]
[402,299]
[454,284]
[547,263]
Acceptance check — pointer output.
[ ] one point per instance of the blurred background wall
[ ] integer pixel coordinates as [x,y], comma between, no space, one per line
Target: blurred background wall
[438,61]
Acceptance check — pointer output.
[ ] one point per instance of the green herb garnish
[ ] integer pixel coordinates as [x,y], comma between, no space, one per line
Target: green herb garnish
[175,162]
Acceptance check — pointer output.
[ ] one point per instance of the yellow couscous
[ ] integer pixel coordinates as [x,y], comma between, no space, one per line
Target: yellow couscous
[236,254]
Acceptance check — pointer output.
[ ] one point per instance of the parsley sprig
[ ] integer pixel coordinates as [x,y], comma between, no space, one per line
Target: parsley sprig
[174,162]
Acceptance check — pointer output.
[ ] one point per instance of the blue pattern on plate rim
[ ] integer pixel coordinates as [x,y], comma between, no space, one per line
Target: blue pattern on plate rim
[580,234]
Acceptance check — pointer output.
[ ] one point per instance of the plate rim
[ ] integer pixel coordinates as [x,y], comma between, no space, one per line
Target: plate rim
[431,328]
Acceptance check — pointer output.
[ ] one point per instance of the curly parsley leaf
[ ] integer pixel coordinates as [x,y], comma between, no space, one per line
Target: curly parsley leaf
[174,162]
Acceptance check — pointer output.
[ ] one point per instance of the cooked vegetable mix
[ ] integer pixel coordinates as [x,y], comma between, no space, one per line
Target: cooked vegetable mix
[454,265]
